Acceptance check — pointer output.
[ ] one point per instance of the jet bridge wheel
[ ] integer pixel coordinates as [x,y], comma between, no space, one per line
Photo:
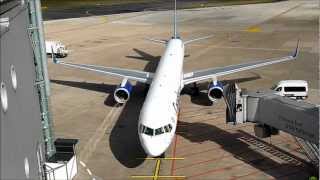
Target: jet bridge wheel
[229,92]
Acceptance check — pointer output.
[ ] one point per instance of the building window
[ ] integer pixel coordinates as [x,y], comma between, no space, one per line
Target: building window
[13,77]
[4,97]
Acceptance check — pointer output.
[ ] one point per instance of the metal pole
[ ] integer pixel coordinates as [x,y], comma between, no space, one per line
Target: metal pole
[42,82]
[42,45]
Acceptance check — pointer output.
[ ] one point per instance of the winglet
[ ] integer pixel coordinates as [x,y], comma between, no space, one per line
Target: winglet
[296,52]
[53,56]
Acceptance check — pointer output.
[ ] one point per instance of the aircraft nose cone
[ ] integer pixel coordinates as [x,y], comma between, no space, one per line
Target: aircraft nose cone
[153,152]
[152,147]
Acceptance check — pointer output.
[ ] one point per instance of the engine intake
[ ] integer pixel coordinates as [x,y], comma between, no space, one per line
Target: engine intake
[215,91]
[122,93]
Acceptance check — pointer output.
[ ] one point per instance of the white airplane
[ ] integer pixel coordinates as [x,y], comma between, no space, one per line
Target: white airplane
[159,114]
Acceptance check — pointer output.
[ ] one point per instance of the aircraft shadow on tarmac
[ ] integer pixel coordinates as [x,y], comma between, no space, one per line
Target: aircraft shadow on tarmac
[242,146]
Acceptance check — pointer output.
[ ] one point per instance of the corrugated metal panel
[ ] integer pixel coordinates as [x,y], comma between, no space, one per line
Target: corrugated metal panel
[21,135]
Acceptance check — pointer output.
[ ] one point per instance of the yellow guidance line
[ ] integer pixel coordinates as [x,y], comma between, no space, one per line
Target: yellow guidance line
[254,29]
[167,158]
[156,172]
[141,177]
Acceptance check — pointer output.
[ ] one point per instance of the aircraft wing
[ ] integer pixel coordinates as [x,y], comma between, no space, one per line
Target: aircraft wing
[220,71]
[140,76]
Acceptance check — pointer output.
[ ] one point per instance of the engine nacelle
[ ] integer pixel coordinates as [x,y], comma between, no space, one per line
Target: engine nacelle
[215,91]
[122,93]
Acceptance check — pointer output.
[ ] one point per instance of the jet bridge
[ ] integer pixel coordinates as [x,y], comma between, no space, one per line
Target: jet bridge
[272,113]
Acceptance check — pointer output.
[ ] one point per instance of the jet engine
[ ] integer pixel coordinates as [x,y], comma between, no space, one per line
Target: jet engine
[123,91]
[215,90]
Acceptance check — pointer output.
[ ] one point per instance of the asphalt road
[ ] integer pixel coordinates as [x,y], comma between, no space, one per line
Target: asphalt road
[62,11]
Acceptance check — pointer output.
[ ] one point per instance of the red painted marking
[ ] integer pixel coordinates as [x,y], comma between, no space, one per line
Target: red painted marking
[175,147]
[174,154]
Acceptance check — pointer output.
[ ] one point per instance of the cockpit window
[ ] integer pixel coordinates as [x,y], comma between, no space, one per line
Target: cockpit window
[148,131]
[154,132]
[168,128]
[141,128]
[159,131]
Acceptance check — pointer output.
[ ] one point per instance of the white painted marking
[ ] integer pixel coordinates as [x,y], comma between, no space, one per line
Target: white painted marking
[91,145]
[83,164]
[89,172]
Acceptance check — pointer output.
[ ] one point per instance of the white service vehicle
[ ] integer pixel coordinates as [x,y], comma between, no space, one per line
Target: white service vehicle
[57,48]
[297,89]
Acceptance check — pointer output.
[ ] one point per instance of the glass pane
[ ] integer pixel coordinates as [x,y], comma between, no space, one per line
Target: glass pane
[294,89]
[159,131]
[166,128]
[148,131]
[141,128]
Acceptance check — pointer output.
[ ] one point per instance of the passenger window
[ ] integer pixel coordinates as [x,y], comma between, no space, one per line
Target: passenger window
[159,131]
[294,89]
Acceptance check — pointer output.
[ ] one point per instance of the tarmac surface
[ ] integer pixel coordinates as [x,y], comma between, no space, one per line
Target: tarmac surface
[83,105]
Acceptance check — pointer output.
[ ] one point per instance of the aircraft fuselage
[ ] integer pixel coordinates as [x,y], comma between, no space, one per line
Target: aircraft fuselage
[159,114]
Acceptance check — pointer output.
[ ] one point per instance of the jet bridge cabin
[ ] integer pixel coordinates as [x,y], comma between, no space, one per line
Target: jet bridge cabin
[272,112]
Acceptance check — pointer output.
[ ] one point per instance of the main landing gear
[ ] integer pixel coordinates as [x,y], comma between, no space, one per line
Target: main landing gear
[195,90]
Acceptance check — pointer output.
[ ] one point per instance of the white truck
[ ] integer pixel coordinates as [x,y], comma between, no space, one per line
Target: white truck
[57,47]
[297,89]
